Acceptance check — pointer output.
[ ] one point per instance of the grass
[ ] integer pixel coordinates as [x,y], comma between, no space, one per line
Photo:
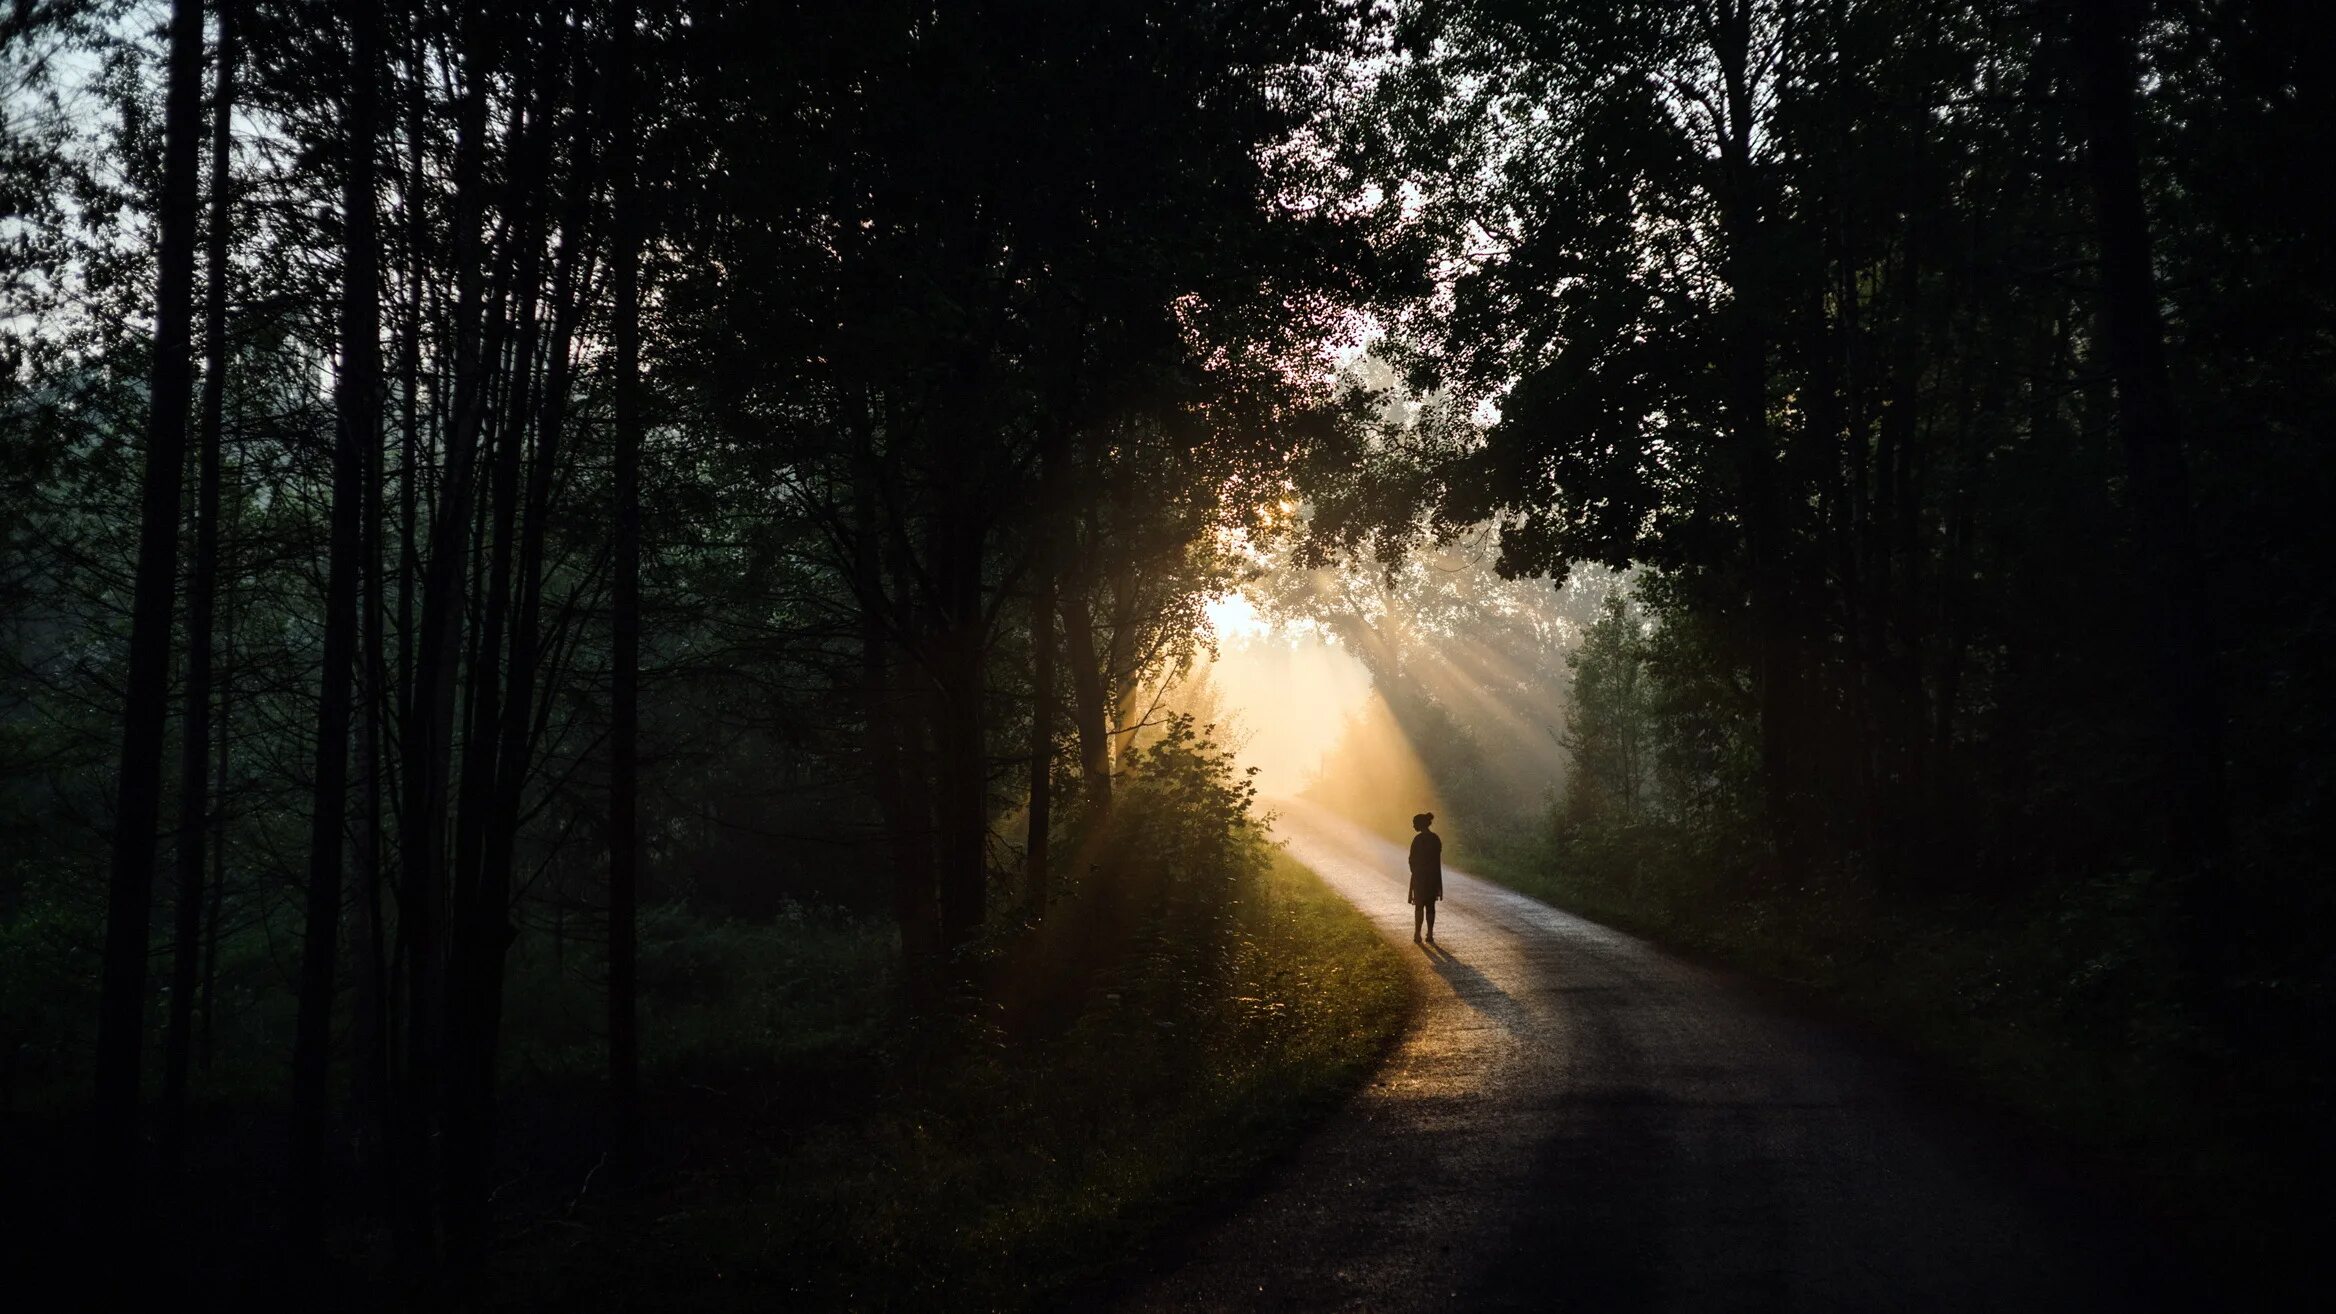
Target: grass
[1062,1092]
[973,1171]
[815,1145]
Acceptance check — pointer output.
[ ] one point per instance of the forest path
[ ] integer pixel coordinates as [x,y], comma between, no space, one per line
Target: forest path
[1578,1120]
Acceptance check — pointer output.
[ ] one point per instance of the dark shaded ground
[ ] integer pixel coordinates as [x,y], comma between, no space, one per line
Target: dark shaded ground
[940,1161]
[1581,1121]
[224,1233]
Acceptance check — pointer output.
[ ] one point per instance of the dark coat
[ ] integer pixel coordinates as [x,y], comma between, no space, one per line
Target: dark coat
[1427,868]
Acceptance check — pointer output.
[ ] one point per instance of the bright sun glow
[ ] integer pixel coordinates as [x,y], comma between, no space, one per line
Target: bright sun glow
[1481,670]
[1291,692]
[1235,619]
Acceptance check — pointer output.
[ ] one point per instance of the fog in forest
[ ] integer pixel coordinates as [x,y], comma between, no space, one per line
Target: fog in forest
[1381,690]
[646,646]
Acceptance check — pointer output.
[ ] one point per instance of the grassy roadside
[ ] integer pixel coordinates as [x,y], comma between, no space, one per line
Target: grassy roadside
[978,1172]
[2085,1041]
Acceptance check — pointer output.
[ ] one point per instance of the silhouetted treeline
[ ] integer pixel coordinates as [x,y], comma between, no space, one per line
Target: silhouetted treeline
[1956,375]
[644,451]
[472,473]
[1950,370]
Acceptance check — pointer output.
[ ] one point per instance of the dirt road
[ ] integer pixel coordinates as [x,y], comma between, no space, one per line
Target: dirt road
[1581,1121]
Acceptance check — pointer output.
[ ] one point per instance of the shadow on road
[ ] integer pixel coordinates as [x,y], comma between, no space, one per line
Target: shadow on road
[1474,988]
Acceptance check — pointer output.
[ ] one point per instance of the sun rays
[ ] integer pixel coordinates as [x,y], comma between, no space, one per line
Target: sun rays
[1382,692]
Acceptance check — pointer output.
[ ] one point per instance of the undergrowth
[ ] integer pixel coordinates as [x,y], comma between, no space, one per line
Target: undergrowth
[982,1172]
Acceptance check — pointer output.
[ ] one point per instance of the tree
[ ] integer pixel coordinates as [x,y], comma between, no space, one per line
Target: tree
[137,810]
[1608,724]
[194,815]
[624,842]
[2148,418]
[356,406]
[964,367]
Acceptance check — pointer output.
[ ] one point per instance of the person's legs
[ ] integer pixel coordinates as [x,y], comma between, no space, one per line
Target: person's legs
[1418,910]
[1430,905]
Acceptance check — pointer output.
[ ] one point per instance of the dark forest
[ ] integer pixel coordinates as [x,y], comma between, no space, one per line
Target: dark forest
[715,653]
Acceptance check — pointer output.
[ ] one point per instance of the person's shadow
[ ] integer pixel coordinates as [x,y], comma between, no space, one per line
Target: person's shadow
[1475,989]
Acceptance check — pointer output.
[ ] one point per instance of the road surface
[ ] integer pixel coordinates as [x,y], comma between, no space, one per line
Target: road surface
[1577,1120]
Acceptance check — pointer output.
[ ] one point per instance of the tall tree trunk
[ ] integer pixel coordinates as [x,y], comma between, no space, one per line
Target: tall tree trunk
[506,443]
[2196,805]
[1122,664]
[369,1067]
[409,560]
[369,1056]
[513,760]
[624,793]
[481,929]
[218,845]
[1745,384]
[881,742]
[963,779]
[885,728]
[194,812]
[121,1025]
[1090,703]
[1042,719]
[398,1108]
[916,905]
[357,401]
[427,745]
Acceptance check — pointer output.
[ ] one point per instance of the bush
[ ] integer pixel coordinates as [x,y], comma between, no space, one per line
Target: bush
[1178,1016]
[1181,827]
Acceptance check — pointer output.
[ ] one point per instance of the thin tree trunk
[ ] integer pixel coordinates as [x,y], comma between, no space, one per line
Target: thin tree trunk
[398,1109]
[624,795]
[911,879]
[194,813]
[2133,342]
[410,394]
[370,1095]
[481,923]
[369,1043]
[356,400]
[916,873]
[482,741]
[1745,385]
[1090,707]
[1042,719]
[121,1027]
[369,1059]
[429,731]
[884,706]
[514,758]
[1121,665]
[218,845]
[962,800]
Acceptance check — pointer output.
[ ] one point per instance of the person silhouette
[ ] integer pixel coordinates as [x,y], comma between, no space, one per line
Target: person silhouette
[1427,875]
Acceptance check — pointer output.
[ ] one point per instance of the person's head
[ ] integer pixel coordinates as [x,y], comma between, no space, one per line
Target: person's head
[1423,821]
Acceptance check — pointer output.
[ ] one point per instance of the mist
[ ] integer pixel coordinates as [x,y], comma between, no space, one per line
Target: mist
[1428,685]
